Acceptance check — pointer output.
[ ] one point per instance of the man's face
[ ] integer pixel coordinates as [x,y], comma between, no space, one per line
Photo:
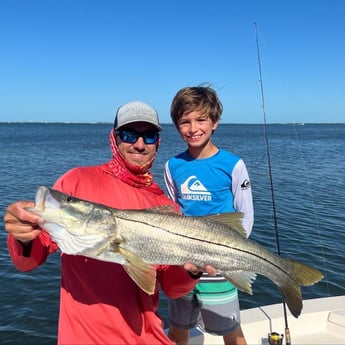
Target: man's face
[138,153]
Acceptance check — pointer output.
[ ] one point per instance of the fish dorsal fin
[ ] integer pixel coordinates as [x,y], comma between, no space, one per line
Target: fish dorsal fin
[241,279]
[231,219]
[144,275]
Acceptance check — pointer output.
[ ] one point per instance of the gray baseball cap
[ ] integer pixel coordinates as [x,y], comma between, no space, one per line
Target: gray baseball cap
[136,112]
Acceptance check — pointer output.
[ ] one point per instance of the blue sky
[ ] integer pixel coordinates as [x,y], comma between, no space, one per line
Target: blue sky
[79,60]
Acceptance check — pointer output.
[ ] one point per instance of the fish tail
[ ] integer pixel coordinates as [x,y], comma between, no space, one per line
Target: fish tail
[293,297]
[302,275]
[305,275]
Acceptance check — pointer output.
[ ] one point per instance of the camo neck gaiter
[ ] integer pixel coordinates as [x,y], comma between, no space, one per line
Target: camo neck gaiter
[136,176]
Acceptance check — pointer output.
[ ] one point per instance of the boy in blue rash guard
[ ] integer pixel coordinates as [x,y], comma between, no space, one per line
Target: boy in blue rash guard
[206,180]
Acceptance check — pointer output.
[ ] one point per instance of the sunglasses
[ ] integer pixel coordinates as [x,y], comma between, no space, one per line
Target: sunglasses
[130,136]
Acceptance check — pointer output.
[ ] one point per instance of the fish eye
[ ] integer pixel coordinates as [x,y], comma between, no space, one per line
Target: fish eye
[69,199]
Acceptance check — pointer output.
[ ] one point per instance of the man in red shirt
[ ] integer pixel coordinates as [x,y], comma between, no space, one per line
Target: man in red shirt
[99,302]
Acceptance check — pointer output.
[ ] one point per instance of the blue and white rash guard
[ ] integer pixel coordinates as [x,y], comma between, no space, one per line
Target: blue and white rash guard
[212,185]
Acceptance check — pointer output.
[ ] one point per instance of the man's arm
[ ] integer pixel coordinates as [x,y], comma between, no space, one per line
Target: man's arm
[27,244]
[176,281]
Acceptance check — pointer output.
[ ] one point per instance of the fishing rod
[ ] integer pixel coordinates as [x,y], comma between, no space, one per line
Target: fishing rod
[273,337]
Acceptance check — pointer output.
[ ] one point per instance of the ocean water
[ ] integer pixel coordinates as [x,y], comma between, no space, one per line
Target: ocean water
[308,170]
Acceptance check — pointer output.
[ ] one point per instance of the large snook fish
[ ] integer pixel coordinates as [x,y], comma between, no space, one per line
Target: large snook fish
[140,239]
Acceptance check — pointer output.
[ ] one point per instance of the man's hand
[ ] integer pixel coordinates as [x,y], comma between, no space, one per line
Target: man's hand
[21,224]
[194,270]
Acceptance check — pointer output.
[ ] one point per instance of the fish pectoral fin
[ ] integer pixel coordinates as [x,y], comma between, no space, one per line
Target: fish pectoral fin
[241,279]
[143,275]
[231,219]
[146,279]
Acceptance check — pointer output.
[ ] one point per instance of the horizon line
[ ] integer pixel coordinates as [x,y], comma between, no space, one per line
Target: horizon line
[166,123]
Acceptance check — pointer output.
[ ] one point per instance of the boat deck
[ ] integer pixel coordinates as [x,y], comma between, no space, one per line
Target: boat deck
[322,322]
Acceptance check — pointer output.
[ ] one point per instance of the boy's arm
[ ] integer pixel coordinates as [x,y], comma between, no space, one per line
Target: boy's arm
[242,193]
[169,182]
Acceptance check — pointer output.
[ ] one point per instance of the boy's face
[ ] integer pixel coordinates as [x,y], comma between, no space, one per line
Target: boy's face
[196,128]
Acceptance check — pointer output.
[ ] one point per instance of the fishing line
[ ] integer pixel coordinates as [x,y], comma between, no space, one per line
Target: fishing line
[287,331]
[316,218]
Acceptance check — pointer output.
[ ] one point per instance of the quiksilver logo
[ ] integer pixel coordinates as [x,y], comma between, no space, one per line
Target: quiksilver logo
[193,189]
[245,184]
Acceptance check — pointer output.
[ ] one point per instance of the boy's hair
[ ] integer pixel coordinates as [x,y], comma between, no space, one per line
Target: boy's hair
[196,98]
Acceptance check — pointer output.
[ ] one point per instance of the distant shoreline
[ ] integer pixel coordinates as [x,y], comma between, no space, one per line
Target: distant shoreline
[169,124]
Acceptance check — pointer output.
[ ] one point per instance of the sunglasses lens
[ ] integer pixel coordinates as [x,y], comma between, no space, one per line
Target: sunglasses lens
[128,137]
[150,137]
[131,137]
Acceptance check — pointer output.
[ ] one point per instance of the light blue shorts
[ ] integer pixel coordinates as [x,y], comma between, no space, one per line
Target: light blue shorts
[213,305]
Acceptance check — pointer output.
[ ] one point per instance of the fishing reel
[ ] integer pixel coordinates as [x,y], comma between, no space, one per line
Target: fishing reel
[275,338]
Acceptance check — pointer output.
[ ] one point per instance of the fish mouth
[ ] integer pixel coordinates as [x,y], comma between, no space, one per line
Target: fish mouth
[43,200]
[40,197]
